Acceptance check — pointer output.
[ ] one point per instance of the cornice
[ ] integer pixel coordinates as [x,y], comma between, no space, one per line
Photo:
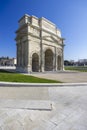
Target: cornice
[48,21]
[26,15]
[38,28]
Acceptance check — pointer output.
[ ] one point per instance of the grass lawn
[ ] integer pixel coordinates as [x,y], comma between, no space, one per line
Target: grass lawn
[15,77]
[77,68]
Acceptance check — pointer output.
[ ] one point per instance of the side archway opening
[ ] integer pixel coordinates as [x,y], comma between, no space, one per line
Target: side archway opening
[35,62]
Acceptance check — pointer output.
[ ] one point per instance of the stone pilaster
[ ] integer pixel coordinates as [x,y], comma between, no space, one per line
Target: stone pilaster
[56,64]
[17,54]
[62,54]
[41,53]
[29,68]
[54,60]
[43,57]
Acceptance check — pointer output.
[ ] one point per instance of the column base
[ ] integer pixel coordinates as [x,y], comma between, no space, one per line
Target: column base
[23,69]
[42,69]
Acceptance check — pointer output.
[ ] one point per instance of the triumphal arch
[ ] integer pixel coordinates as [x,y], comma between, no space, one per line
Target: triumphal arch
[39,45]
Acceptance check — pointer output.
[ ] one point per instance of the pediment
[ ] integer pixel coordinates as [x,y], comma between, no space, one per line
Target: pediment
[51,39]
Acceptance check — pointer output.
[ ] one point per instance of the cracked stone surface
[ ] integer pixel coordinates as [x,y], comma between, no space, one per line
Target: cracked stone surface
[69,112]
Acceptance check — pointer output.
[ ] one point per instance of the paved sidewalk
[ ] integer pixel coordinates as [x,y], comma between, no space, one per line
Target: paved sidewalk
[69,110]
[45,105]
[67,76]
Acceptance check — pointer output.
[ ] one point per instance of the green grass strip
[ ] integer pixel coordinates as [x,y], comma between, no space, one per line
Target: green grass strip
[15,77]
[76,68]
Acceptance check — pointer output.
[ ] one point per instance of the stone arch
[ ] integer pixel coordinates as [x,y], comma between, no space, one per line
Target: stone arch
[59,62]
[48,60]
[35,62]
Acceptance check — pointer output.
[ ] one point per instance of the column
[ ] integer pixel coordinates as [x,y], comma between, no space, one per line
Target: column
[53,61]
[41,53]
[22,57]
[17,54]
[29,69]
[42,66]
[56,59]
[62,54]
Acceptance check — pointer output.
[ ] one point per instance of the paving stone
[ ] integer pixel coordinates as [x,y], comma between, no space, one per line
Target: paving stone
[65,76]
[69,111]
[26,104]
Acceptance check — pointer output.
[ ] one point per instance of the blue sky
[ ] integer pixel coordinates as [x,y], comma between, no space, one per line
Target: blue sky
[70,16]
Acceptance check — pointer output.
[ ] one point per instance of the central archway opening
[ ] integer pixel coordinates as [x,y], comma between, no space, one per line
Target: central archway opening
[35,62]
[48,60]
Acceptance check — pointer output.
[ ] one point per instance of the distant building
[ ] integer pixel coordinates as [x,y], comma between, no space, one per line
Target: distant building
[69,62]
[5,61]
[39,45]
[82,62]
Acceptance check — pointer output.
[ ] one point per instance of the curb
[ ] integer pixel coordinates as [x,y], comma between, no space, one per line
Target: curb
[15,84]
